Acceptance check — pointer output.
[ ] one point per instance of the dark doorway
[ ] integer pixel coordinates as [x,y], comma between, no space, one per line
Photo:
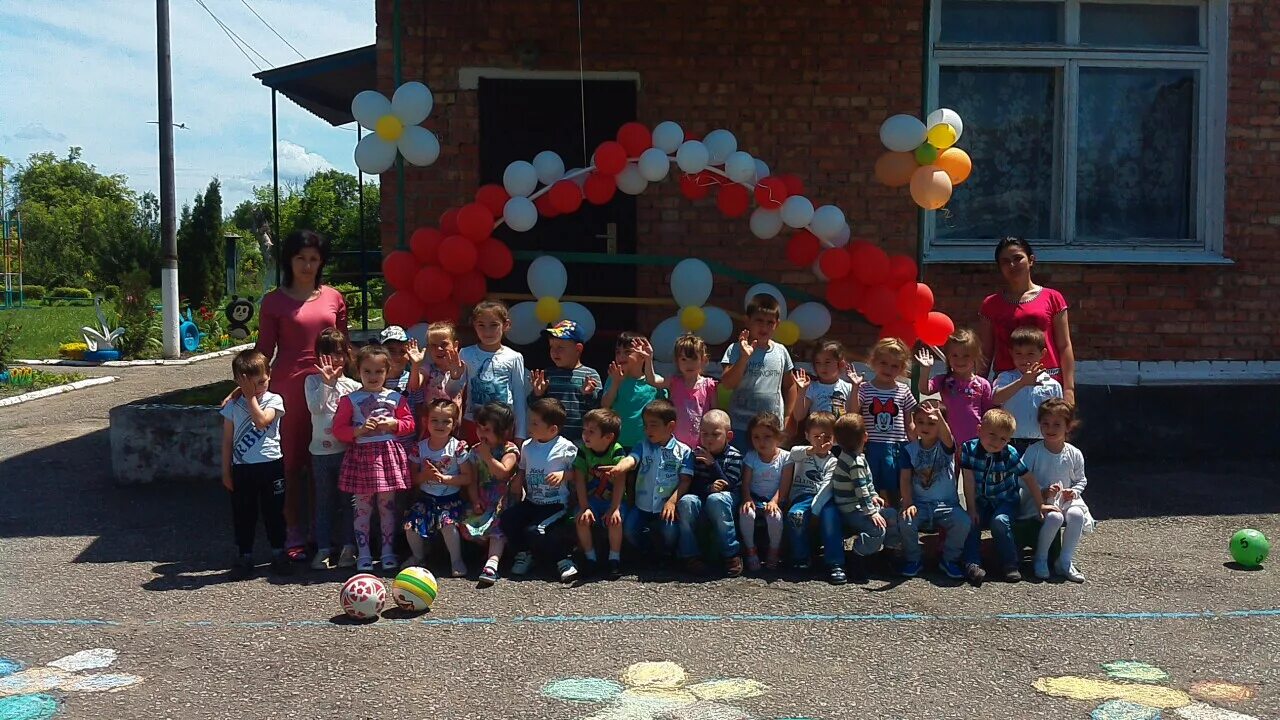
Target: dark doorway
[519,119]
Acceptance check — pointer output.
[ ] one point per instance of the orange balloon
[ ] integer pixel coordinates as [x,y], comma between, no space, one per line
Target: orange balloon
[894,168]
[930,187]
[956,164]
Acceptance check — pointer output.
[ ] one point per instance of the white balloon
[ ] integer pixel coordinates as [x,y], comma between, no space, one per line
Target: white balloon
[667,136]
[948,116]
[840,239]
[663,339]
[369,105]
[412,103]
[816,267]
[692,156]
[813,318]
[767,289]
[630,181]
[418,332]
[721,144]
[797,211]
[525,326]
[691,282]
[580,315]
[520,214]
[827,221]
[547,277]
[374,155]
[520,179]
[740,167]
[762,170]
[765,224]
[548,166]
[718,327]
[419,146]
[902,133]
[654,165]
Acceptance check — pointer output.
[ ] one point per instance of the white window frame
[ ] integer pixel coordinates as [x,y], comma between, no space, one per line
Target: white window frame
[1209,138]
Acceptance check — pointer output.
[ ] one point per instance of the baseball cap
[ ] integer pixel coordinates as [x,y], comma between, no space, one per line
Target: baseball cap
[393,333]
[565,330]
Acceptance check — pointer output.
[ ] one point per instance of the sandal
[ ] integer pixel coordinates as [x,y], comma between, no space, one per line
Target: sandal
[297,553]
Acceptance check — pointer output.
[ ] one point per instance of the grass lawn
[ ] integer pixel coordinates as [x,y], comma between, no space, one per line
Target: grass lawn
[39,381]
[45,328]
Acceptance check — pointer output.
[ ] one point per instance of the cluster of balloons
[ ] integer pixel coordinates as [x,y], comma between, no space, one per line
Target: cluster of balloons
[547,281]
[395,127]
[691,283]
[923,155]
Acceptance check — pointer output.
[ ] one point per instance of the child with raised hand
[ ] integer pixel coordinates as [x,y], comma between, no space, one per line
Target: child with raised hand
[1023,390]
[664,470]
[599,494]
[806,484]
[396,340]
[758,370]
[860,507]
[1058,467]
[323,390]
[717,473]
[691,392]
[886,405]
[829,390]
[495,372]
[930,498]
[575,385]
[761,481]
[628,392]
[375,467]
[437,462]
[444,377]
[965,394]
[252,463]
[544,476]
[491,462]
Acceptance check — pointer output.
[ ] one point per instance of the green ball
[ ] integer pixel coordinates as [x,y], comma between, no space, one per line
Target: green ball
[1250,548]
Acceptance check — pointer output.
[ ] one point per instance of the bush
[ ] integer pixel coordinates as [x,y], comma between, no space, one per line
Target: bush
[111,292]
[8,338]
[73,350]
[76,293]
[141,323]
[33,292]
[347,288]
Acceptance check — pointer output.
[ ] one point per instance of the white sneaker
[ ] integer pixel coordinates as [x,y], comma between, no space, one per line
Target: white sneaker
[321,560]
[522,563]
[1042,568]
[568,571]
[1070,572]
[390,562]
[364,564]
[348,557]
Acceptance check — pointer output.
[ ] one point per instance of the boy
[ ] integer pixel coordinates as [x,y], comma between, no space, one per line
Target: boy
[393,338]
[758,370]
[599,496]
[252,464]
[1022,391]
[544,475]
[717,472]
[806,485]
[576,386]
[991,469]
[853,494]
[930,499]
[665,473]
[626,392]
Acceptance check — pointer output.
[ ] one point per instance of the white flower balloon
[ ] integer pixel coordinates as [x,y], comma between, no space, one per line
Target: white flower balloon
[395,128]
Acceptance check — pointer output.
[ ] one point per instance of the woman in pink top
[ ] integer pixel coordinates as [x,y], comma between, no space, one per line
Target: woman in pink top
[291,318]
[1025,303]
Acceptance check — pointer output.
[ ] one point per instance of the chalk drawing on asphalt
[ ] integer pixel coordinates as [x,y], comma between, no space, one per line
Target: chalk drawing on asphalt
[1136,690]
[24,692]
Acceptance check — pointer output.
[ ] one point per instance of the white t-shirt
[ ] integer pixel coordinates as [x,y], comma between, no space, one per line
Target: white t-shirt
[812,475]
[447,459]
[765,476]
[250,444]
[1065,468]
[832,398]
[1025,404]
[540,459]
[497,376]
[322,401]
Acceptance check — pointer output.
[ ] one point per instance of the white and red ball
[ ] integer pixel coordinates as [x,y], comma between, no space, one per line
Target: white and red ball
[363,596]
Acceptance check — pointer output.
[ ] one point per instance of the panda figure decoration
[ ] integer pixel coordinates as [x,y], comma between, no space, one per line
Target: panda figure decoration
[239,312]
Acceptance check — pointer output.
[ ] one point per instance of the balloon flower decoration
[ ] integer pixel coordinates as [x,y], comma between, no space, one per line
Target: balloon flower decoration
[923,155]
[395,125]
[691,283]
[547,281]
[809,321]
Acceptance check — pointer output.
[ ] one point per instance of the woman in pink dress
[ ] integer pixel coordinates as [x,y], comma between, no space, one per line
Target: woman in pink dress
[292,317]
[1025,303]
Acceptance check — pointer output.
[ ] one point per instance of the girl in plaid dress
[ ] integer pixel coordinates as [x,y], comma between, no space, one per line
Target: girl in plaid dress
[375,467]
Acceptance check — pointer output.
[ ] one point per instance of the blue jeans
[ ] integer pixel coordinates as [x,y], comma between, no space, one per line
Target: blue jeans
[798,516]
[640,524]
[330,501]
[999,518]
[718,510]
[951,518]
[882,460]
[870,540]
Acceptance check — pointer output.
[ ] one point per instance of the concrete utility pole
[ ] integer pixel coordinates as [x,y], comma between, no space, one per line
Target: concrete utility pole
[168,202]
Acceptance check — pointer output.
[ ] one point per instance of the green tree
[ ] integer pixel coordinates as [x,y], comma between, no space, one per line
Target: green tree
[329,203]
[201,275]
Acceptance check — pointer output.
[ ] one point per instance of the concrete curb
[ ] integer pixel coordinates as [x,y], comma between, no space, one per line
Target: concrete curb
[137,363]
[60,389]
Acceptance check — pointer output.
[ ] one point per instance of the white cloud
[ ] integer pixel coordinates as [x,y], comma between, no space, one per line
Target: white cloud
[296,162]
[36,131]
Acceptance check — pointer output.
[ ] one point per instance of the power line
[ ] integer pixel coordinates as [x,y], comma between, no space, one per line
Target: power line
[264,22]
[236,39]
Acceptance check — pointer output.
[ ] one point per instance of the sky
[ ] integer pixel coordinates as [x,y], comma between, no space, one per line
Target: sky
[83,73]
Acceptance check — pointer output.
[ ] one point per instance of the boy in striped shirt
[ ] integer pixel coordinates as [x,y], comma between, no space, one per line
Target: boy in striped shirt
[853,493]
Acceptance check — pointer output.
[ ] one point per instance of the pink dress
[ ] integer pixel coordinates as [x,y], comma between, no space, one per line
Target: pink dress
[691,404]
[965,403]
[374,463]
[1005,317]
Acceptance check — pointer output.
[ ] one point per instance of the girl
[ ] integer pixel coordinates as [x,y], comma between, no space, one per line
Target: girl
[1058,467]
[437,460]
[323,392]
[965,395]
[490,464]
[691,392]
[445,376]
[376,466]
[831,391]
[761,480]
[495,372]
[886,406]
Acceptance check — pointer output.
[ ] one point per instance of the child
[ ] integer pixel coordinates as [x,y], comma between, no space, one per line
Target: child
[491,463]
[886,406]
[445,377]
[323,391]
[627,392]
[991,469]
[252,465]
[758,370]
[854,496]
[545,475]
[665,472]
[495,372]
[394,339]
[437,463]
[966,395]
[930,498]
[376,467]
[691,392]
[806,483]
[761,481]
[831,391]
[1059,468]
[717,472]
[575,385]
[1022,391]
[599,495]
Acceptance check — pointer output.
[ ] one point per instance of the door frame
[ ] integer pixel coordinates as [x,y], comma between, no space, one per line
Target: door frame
[469,77]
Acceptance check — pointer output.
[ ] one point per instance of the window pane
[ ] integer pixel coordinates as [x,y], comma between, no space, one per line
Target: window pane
[1128,25]
[1008,118]
[994,21]
[1135,156]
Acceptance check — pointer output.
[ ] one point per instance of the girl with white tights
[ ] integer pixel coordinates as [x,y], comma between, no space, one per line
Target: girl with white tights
[1059,468]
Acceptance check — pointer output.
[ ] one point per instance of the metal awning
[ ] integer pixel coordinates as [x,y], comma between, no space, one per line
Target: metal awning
[326,85]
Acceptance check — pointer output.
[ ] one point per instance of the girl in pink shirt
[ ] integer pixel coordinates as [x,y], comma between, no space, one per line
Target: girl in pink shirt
[966,395]
[691,392]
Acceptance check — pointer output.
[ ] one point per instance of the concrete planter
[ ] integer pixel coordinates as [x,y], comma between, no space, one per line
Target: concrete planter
[152,441]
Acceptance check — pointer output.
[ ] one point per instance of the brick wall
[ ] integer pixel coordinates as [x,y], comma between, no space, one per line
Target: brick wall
[804,86]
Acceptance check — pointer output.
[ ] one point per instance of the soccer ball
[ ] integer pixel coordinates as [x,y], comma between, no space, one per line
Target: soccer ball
[1249,548]
[414,589]
[363,596]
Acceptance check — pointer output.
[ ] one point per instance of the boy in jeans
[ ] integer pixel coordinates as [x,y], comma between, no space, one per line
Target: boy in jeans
[717,472]
[575,385]
[665,472]
[758,370]
[928,488]
[544,476]
[600,496]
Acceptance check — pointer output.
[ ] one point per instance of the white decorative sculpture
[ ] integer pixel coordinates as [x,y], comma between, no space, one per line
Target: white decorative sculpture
[105,338]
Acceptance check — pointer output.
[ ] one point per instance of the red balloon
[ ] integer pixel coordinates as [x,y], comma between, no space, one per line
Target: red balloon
[635,138]
[425,244]
[915,300]
[935,327]
[403,309]
[475,222]
[600,188]
[844,294]
[733,200]
[493,197]
[803,248]
[770,192]
[469,288]
[902,270]
[834,263]
[495,259]
[880,307]
[399,268]
[793,184]
[870,264]
[432,285]
[545,208]
[449,222]
[900,329]
[458,255]
[692,187]
[441,311]
[611,158]
[566,196]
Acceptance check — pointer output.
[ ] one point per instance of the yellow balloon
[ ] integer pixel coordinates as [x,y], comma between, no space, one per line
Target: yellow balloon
[547,310]
[692,318]
[942,136]
[389,128]
[787,333]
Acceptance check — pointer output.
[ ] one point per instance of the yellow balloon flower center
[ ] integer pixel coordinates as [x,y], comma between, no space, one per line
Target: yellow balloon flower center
[389,128]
